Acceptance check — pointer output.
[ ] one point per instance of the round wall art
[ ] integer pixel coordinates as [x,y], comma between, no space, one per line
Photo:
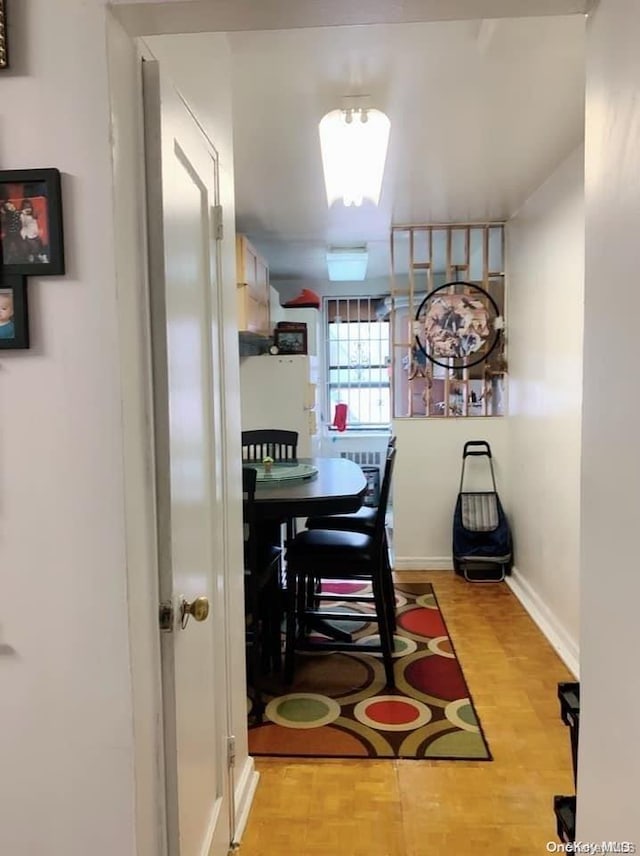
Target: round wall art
[457,325]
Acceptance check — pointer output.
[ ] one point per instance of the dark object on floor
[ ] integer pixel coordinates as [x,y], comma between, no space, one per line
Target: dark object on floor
[565,806]
[482,545]
[569,695]
[565,812]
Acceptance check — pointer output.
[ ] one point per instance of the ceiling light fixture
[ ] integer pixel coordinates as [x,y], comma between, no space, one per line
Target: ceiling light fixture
[354,144]
[347,264]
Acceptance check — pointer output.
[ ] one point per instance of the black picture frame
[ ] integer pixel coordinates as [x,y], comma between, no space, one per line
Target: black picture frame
[31,234]
[4,47]
[290,341]
[14,288]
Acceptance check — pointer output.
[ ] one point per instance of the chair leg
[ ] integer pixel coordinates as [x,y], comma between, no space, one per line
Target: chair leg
[389,590]
[255,660]
[291,529]
[272,626]
[302,584]
[290,635]
[384,630]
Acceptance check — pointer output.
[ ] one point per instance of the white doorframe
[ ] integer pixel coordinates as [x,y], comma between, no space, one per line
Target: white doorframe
[139,487]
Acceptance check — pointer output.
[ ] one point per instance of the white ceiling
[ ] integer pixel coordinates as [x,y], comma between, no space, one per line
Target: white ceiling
[481,113]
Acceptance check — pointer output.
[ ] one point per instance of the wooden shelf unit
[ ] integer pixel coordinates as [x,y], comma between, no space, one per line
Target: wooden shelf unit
[433,254]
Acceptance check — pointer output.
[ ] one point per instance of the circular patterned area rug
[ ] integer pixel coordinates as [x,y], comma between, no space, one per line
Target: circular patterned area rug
[339,706]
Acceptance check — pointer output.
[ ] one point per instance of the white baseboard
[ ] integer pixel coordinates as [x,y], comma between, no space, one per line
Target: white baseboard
[245,789]
[429,563]
[566,647]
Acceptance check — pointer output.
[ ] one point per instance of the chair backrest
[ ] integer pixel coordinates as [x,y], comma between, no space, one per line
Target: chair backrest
[249,480]
[385,492]
[273,442]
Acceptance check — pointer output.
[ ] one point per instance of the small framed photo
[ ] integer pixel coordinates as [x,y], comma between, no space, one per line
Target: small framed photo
[14,315]
[290,341]
[31,239]
[4,51]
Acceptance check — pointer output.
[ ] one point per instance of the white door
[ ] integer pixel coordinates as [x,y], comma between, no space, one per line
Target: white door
[182,195]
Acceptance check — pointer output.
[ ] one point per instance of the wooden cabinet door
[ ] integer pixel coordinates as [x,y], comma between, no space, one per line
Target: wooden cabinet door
[253,288]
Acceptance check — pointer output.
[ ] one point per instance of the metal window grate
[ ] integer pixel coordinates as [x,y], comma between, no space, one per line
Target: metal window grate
[357,360]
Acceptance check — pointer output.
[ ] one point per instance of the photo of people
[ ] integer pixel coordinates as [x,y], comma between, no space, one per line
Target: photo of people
[7,324]
[31,229]
[24,231]
[14,315]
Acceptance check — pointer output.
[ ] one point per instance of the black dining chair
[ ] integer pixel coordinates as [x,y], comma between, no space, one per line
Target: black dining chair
[269,442]
[263,599]
[364,521]
[275,443]
[333,554]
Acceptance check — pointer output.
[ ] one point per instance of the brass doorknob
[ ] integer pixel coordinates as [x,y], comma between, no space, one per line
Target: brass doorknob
[199,608]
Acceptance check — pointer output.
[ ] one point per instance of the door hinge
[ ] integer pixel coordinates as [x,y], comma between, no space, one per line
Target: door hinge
[231,751]
[217,224]
[166,616]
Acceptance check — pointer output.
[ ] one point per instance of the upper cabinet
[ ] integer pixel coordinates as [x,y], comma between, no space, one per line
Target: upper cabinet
[252,288]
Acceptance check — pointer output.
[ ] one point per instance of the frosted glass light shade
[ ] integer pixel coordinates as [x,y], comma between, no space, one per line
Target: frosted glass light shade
[354,149]
[346,264]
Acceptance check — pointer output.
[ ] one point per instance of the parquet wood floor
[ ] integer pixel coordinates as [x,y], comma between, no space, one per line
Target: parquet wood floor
[502,807]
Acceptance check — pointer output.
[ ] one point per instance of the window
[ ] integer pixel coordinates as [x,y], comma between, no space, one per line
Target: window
[357,362]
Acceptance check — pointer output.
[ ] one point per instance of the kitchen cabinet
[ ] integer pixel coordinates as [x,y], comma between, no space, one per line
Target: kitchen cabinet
[252,291]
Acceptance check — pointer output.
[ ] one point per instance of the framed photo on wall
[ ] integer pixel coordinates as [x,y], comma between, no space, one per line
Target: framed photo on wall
[31,238]
[4,51]
[14,316]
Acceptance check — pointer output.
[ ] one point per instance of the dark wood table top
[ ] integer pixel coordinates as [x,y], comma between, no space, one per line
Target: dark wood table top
[339,487]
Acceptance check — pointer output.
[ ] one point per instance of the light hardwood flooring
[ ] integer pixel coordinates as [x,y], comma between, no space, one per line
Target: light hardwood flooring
[440,808]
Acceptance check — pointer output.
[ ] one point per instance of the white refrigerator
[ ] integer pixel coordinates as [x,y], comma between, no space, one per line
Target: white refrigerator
[281,392]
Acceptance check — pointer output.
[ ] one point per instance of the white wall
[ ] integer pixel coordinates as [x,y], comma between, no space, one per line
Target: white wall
[609,766]
[426,481]
[545,269]
[66,737]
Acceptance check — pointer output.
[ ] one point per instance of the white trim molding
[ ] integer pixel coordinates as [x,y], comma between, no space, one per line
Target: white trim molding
[426,563]
[156,17]
[243,797]
[567,648]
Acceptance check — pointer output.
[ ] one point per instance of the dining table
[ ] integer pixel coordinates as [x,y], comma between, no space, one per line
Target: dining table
[308,487]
